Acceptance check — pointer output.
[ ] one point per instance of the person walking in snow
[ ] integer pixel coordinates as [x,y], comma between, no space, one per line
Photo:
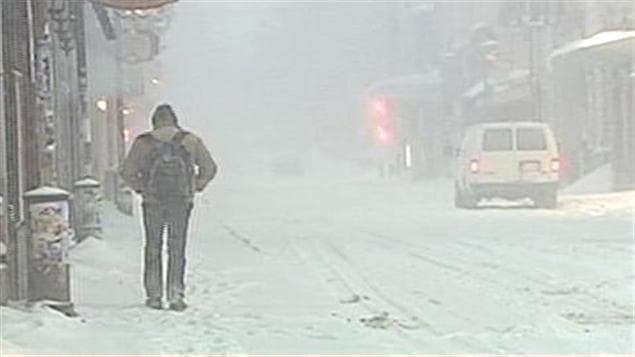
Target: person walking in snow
[167,165]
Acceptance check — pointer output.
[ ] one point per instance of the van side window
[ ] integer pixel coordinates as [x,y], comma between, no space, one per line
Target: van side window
[531,139]
[497,140]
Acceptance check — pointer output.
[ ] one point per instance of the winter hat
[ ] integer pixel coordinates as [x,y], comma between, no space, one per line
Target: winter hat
[164,112]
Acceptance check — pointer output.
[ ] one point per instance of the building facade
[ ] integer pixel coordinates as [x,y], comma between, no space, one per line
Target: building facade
[55,131]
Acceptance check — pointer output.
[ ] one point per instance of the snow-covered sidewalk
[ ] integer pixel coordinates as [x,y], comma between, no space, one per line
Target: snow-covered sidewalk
[357,267]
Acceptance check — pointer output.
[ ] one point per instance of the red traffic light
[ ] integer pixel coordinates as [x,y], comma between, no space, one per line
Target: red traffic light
[382,121]
[380,107]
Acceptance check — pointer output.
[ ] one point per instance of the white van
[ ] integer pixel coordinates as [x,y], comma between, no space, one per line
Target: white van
[508,160]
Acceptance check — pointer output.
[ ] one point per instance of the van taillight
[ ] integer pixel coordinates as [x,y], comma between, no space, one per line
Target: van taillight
[555,165]
[474,166]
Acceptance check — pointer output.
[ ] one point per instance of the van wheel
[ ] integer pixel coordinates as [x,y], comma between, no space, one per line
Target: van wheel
[470,201]
[547,201]
[463,199]
[458,197]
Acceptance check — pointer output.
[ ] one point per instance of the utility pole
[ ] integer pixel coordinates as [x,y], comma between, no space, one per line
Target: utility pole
[535,22]
[3,169]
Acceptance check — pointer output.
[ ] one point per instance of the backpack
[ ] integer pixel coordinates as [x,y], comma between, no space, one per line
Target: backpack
[169,172]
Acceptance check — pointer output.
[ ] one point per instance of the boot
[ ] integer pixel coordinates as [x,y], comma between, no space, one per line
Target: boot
[178,305]
[154,303]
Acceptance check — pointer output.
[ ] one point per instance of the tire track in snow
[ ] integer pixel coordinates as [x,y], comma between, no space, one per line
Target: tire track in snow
[556,289]
[380,302]
[478,282]
[579,302]
[241,238]
[457,336]
[342,285]
[543,281]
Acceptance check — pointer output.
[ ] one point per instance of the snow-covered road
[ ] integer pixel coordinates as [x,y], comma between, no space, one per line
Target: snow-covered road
[359,266]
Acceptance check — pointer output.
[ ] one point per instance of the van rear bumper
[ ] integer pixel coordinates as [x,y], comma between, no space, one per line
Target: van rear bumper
[514,190]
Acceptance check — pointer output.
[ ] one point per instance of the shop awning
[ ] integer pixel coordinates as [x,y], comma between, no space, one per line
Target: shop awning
[134,4]
[609,42]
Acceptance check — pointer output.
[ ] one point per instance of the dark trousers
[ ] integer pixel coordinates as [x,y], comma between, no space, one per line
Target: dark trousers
[174,218]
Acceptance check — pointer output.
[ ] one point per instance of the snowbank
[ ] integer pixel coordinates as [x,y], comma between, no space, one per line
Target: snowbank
[597,181]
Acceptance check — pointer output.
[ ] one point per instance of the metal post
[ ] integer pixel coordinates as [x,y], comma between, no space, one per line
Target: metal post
[86,207]
[534,20]
[123,196]
[532,79]
[4,275]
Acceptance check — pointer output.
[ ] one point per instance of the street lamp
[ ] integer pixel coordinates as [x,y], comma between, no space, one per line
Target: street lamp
[102,105]
[126,111]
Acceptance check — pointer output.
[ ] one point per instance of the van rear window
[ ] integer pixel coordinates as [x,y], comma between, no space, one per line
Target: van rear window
[497,140]
[530,139]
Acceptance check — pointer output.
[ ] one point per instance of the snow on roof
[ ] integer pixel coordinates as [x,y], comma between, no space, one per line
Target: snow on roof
[513,78]
[46,191]
[596,40]
[87,182]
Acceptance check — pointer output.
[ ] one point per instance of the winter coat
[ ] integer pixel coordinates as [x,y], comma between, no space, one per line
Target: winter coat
[141,149]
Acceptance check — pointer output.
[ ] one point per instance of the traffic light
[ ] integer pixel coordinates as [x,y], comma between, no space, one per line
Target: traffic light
[382,120]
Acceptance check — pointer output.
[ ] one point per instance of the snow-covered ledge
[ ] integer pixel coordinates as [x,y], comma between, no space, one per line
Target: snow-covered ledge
[45,192]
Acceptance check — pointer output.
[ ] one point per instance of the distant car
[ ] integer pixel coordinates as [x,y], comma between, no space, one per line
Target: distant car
[509,160]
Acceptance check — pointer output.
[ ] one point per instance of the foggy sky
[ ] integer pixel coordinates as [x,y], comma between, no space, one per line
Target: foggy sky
[261,80]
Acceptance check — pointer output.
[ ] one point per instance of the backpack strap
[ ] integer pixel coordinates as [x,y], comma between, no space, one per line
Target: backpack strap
[145,136]
[148,137]
[179,136]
